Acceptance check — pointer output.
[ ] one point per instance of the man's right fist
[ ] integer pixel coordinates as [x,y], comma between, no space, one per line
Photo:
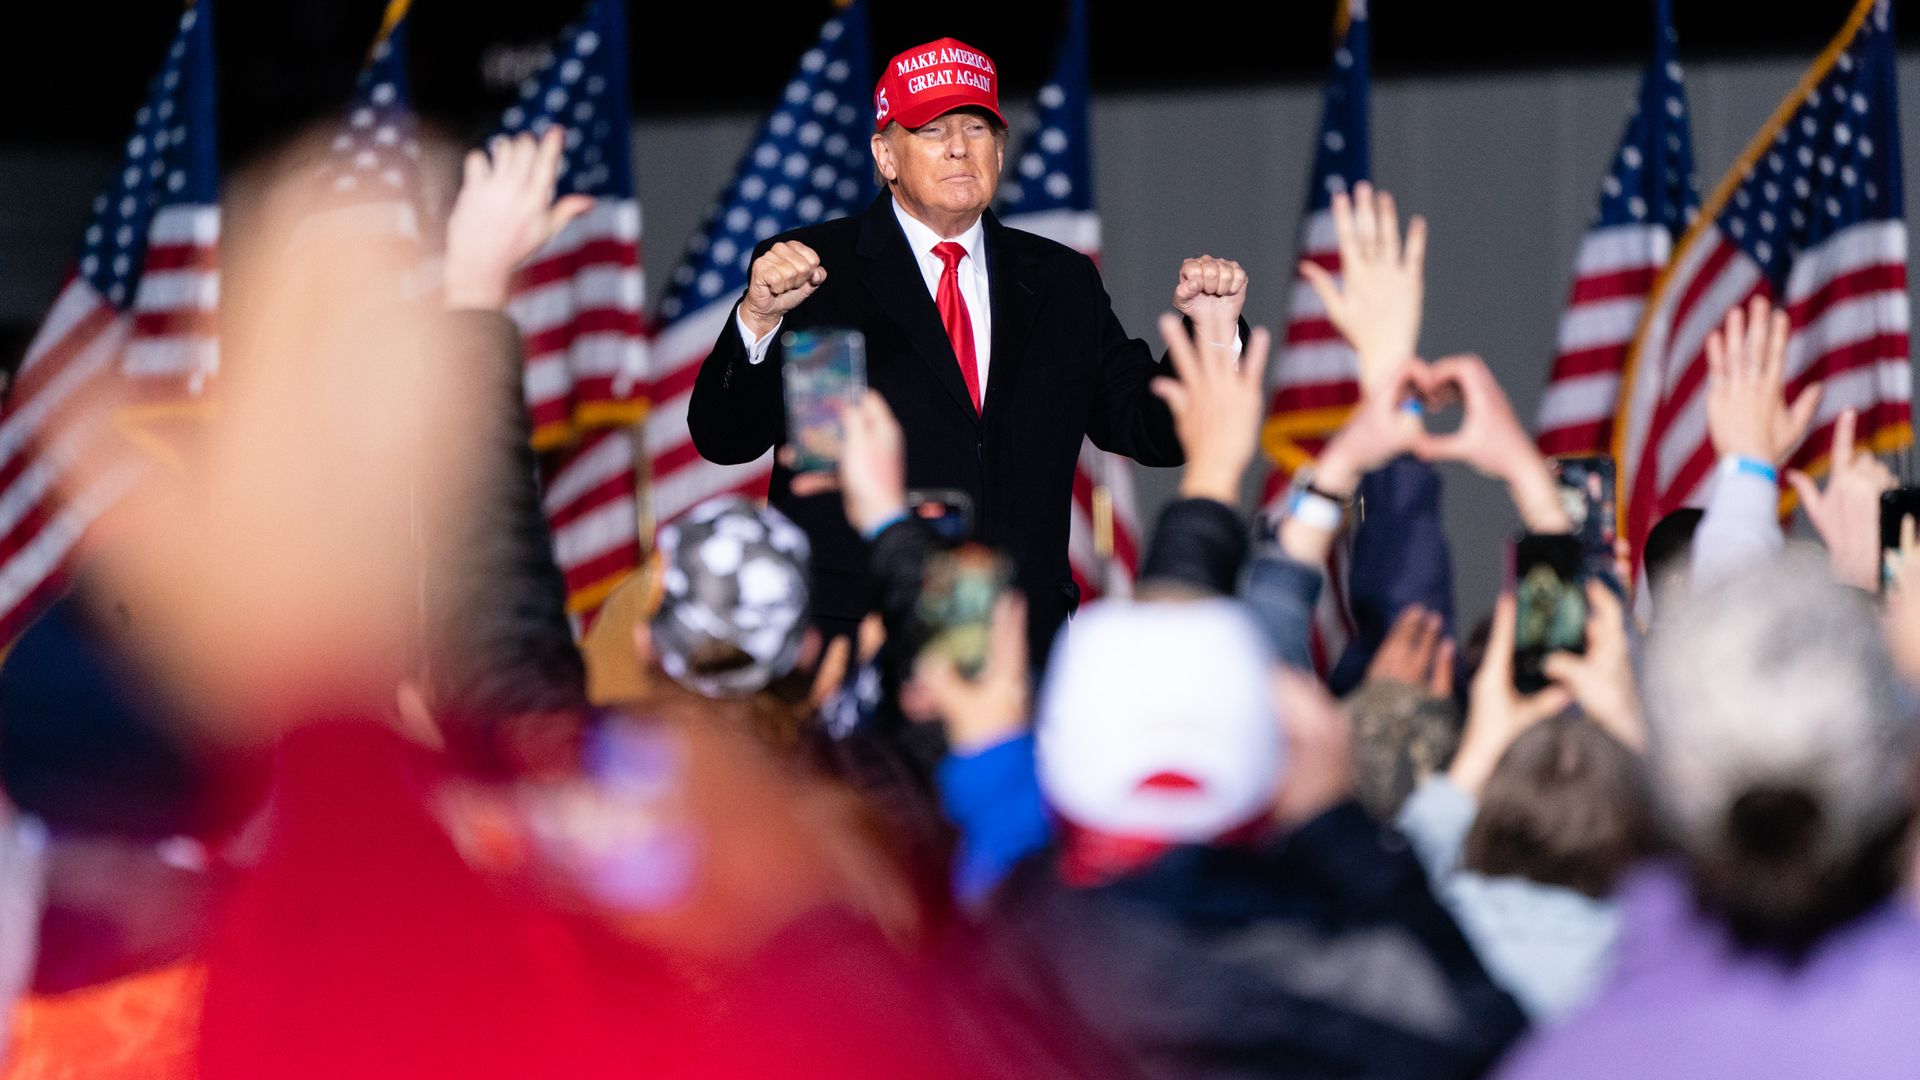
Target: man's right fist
[780,279]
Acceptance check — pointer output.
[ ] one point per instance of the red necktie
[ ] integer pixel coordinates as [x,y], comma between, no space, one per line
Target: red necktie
[953,315]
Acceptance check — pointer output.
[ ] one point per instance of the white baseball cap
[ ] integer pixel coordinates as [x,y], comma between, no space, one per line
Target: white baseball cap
[1157,721]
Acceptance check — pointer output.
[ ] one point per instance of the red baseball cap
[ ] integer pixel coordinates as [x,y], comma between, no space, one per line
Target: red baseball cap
[932,80]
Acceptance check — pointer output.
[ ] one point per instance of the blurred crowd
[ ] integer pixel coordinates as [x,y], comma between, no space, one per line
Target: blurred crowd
[308,777]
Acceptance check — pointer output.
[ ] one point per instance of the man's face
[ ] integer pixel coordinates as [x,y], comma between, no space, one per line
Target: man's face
[943,172]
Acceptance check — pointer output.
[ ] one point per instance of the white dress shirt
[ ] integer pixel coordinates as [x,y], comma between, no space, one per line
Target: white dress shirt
[973,287]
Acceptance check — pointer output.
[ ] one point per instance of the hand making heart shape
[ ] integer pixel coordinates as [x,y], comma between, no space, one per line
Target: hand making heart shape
[1489,439]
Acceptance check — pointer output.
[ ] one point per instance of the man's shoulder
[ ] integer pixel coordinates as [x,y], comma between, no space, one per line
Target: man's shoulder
[1034,248]
[823,237]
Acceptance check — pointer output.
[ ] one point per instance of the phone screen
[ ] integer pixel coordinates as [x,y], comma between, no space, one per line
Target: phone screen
[956,603]
[1586,492]
[948,510]
[1895,505]
[823,371]
[1550,612]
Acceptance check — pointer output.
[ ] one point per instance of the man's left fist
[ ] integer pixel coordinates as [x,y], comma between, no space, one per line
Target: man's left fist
[1211,292]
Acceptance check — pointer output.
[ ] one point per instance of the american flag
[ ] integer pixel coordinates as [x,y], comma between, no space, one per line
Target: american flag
[579,305]
[1051,193]
[1646,202]
[1316,383]
[1811,217]
[808,163]
[135,320]
[375,152]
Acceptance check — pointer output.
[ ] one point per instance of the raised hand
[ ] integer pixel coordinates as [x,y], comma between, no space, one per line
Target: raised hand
[1376,303]
[1383,427]
[1847,513]
[504,213]
[992,707]
[1492,441]
[1211,292]
[1746,369]
[1496,712]
[786,274]
[1601,679]
[1217,405]
[1417,651]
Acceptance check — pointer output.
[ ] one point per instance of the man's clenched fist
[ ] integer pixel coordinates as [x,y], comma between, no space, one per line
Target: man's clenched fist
[780,279]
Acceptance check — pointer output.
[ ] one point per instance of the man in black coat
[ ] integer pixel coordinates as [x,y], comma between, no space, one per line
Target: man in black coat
[998,350]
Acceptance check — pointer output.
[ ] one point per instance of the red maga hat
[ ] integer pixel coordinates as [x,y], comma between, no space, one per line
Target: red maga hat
[932,80]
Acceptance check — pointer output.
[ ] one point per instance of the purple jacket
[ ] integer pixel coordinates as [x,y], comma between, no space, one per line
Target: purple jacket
[1683,1002]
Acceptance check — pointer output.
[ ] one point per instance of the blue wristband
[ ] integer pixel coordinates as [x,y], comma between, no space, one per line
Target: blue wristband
[1754,467]
[885,523]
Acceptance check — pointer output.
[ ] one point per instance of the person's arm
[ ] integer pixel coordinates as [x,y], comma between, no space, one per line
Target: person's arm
[1752,431]
[1399,555]
[1496,712]
[1201,543]
[736,412]
[1215,402]
[1492,441]
[504,213]
[1128,419]
[1281,593]
[1435,820]
[988,784]
[1283,582]
[1399,560]
[992,797]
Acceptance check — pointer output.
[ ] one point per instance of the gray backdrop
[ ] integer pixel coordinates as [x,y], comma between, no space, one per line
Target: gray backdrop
[1506,167]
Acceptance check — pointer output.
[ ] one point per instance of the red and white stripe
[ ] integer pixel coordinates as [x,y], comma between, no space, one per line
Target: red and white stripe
[1315,386]
[682,479]
[1316,382]
[1613,273]
[88,353]
[1847,300]
[1095,575]
[593,510]
[579,304]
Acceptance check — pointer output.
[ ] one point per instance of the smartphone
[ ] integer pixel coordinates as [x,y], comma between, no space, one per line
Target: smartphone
[1895,506]
[957,596]
[1550,610]
[948,510]
[823,371]
[1586,492]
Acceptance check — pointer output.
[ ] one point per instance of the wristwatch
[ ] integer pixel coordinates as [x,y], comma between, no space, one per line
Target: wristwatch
[1314,506]
[1303,481]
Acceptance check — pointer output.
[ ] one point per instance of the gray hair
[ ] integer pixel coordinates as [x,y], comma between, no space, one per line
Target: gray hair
[1778,748]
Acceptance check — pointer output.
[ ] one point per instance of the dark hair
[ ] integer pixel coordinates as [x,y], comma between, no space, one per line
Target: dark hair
[1670,538]
[1566,805]
[1770,883]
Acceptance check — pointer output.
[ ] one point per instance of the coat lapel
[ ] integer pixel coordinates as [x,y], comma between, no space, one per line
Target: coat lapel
[892,275]
[1016,293]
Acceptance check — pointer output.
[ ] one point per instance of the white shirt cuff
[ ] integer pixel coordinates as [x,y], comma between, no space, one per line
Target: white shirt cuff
[756,349]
